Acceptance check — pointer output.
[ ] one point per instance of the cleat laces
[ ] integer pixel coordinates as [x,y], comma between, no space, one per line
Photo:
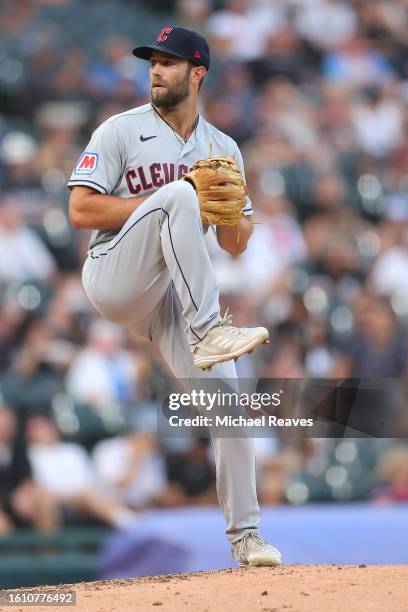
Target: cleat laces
[227,321]
[241,545]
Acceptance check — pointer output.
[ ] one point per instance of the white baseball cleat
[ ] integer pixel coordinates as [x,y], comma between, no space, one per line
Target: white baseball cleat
[224,342]
[254,551]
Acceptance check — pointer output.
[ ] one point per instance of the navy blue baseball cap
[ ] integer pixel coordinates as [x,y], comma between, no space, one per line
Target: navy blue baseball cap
[180,42]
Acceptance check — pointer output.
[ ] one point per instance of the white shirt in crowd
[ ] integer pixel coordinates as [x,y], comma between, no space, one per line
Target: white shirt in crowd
[326,24]
[254,26]
[64,468]
[390,272]
[101,380]
[279,241]
[112,458]
[24,256]
[378,128]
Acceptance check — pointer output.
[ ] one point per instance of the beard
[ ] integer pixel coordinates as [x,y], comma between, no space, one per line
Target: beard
[172,95]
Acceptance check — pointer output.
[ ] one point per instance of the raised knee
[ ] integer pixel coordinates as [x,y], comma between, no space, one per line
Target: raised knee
[183,193]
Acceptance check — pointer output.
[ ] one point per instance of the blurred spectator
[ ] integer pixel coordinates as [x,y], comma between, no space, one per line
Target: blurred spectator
[285,362]
[284,113]
[392,472]
[378,122]
[66,312]
[191,476]
[24,255]
[278,464]
[103,372]
[278,240]
[58,150]
[241,20]
[333,231]
[70,75]
[357,62]
[320,355]
[115,75]
[11,320]
[22,502]
[34,377]
[131,467]
[20,176]
[65,471]
[193,13]
[232,109]
[378,347]
[284,56]
[389,274]
[326,23]
[333,118]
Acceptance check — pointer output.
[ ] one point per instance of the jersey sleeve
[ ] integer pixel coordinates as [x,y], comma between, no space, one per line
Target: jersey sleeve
[101,164]
[236,154]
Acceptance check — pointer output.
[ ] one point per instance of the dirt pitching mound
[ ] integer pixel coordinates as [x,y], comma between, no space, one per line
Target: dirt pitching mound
[294,588]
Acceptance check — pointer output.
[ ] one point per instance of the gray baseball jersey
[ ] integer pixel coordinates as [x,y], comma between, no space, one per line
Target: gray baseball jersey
[137,152]
[155,276]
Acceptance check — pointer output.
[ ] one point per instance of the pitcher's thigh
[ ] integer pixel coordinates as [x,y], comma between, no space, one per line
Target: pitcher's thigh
[127,278]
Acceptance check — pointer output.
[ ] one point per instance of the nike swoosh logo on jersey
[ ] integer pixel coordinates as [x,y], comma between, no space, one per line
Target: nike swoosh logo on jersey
[144,138]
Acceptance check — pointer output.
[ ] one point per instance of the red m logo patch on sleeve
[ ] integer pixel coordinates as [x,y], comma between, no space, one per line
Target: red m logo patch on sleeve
[88,162]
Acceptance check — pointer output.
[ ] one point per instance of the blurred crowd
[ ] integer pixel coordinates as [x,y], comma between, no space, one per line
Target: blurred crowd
[315,92]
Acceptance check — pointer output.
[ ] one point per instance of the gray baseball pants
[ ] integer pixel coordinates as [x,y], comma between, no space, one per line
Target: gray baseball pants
[156,278]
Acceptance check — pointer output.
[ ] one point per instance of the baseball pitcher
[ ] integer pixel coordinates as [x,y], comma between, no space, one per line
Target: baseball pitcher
[149,183]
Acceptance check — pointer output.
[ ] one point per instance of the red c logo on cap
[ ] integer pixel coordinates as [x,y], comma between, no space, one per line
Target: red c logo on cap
[162,36]
[197,54]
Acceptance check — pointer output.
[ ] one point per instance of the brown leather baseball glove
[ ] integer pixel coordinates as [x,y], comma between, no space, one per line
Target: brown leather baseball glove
[220,188]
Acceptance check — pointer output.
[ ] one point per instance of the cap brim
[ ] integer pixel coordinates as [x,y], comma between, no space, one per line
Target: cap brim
[146,52]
